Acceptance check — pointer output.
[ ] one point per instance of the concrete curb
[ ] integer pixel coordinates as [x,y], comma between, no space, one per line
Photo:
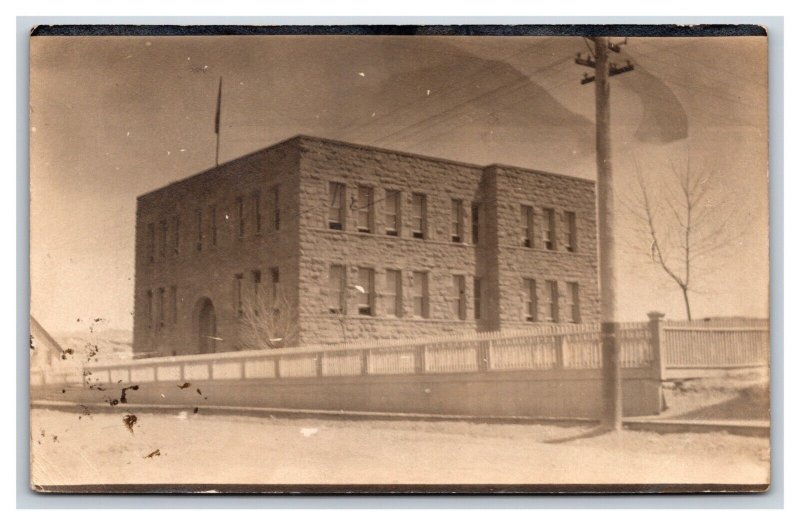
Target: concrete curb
[744,428]
[297,413]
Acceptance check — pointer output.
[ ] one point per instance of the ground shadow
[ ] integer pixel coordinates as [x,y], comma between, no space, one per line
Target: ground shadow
[745,406]
[597,431]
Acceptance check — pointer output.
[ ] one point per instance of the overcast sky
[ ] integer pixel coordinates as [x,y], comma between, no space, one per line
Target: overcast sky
[114,117]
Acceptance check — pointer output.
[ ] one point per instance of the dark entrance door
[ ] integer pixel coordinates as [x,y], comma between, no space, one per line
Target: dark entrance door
[207,328]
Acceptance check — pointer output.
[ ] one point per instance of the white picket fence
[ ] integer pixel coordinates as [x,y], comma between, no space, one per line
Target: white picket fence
[546,347]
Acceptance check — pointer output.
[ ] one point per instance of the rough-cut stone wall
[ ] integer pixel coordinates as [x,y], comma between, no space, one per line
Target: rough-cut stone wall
[441,181]
[516,187]
[304,248]
[209,272]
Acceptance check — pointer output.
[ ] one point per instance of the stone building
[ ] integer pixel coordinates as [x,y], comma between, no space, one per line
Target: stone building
[360,243]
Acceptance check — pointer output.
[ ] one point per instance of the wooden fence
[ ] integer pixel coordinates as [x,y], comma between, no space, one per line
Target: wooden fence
[541,348]
[666,346]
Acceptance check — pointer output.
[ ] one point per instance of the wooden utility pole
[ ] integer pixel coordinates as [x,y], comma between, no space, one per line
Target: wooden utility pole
[612,369]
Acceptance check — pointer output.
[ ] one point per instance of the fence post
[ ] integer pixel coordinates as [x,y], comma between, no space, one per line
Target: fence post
[419,361]
[657,345]
[319,364]
[364,362]
[560,341]
[484,351]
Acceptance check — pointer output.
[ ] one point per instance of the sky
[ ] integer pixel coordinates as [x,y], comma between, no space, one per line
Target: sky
[115,117]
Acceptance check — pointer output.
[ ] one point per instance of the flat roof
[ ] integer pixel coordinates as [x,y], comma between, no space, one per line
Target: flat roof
[353,145]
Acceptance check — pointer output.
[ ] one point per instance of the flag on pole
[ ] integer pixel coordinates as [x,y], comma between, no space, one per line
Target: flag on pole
[219,106]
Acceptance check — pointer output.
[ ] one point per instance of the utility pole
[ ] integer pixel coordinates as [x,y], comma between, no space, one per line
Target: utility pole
[612,369]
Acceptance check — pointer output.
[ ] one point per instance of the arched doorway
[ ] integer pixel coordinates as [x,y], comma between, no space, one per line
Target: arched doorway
[207,327]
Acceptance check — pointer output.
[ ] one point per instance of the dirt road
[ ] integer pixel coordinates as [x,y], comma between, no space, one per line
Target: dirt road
[72,448]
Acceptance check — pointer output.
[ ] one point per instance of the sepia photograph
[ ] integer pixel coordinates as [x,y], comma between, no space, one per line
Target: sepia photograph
[399,259]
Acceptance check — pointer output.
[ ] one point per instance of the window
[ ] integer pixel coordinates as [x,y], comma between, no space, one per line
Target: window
[476,224]
[420,294]
[458,299]
[237,294]
[392,212]
[275,282]
[257,212]
[276,208]
[551,301]
[239,216]
[199,223]
[162,244]
[336,206]
[456,220]
[151,242]
[148,308]
[176,227]
[173,293]
[393,295]
[364,216]
[161,305]
[549,240]
[526,222]
[336,287]
[570,231]
[419,214]
[366,292]
[212,217]
[530,306]
[573,303]
[477,286]
[256,274]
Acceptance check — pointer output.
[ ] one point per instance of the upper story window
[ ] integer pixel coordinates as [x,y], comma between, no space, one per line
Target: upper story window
[419,215]
[420,294]
[212,219]
[162,241]
[257,212]
[456,220]
[392,208]
[151,242]
[549,238]
[365,215]
[393,294]
[276,208]
[526,223]
[366,292]
[336,287]
[458,300]
[529,299]
[336,194]
[570,231]
[176,234]
[573,303]
[240,216]
[476,222]
[551,301]
[198,216]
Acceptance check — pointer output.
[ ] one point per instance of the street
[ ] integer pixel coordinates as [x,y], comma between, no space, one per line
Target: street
[103,448]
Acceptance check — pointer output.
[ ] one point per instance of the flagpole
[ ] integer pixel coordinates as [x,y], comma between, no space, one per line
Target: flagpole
[217,119]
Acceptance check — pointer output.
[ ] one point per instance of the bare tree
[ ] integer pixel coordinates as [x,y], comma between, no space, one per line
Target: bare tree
[268,322]
[683,228]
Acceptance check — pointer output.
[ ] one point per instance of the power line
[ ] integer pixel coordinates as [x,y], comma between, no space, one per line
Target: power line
[519,83]
[497,63]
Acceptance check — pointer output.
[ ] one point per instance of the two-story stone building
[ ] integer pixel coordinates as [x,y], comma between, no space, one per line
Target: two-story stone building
[361,243]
